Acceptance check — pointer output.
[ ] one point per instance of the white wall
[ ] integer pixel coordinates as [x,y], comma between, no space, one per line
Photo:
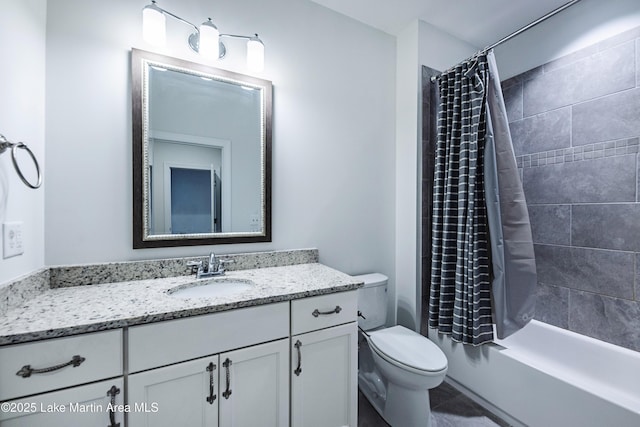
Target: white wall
[333,129]
[418,44]
[22,118]
[407,136]
[440,50]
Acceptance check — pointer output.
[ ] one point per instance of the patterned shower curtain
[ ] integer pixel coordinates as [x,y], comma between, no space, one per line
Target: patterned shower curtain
[482,265]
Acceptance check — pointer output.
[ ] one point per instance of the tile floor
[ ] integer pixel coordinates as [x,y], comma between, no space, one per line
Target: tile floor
[450,408]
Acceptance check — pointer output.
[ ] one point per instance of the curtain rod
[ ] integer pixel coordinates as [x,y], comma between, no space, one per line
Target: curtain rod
[515,33]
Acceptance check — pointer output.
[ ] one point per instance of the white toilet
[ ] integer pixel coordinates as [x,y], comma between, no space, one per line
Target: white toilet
[396,366]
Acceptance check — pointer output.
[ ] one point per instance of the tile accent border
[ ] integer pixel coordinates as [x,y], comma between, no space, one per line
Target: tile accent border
[577,154]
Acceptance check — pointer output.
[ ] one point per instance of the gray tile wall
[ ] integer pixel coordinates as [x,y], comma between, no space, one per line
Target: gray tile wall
[575,124]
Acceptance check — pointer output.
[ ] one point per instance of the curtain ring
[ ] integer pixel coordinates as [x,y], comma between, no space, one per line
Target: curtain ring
[4,144]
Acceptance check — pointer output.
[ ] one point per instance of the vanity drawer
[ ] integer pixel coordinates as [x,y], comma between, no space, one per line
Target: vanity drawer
[19,364]
[309,314]
[173,341]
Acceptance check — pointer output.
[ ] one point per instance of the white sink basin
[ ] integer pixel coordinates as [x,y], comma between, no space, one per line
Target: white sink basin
[207,288]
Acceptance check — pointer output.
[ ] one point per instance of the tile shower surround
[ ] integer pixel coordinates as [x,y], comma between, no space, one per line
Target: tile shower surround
[575,124]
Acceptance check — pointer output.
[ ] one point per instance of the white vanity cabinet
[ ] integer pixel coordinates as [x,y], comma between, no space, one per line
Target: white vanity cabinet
[324,361]
[184,394]
[35,369]
[242,381]
[290,363]
[93,405]
[254,386]
[241,388]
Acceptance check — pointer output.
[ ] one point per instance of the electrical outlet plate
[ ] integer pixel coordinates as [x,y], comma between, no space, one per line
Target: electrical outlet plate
[12,239]
[254,222]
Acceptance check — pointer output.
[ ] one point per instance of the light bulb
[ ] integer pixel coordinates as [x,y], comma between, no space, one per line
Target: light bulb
[209,43]
[255,54]
[153,25]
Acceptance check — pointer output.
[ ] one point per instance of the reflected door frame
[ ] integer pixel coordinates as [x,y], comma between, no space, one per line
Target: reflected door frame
[168,207]
[225,169]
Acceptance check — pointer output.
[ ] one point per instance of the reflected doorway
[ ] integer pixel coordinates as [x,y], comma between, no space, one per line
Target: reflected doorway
[187,179]
[193,207]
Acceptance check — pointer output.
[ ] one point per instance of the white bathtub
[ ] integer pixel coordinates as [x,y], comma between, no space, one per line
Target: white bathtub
[543,376]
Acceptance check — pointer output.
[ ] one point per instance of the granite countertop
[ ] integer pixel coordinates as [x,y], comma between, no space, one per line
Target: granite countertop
[73,310]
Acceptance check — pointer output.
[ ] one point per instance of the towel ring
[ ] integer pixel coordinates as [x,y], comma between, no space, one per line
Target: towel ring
[4,144]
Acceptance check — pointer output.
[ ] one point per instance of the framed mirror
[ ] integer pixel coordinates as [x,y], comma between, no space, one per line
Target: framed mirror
[201,154]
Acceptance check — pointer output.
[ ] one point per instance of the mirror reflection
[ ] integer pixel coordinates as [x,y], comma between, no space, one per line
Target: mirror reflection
[205,150]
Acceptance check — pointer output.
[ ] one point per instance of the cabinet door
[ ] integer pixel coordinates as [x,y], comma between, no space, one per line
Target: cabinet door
[184,394]
[87,406]
[324,378]
[254,386]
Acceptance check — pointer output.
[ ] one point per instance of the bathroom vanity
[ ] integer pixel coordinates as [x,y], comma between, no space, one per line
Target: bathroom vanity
[136,353]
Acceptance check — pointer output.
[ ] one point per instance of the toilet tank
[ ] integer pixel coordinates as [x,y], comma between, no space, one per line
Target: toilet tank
[372,300]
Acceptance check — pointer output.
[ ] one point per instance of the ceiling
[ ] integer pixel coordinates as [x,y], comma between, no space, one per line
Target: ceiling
[479,23]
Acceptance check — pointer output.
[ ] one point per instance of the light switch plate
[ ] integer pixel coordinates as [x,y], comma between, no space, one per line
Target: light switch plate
[12,239]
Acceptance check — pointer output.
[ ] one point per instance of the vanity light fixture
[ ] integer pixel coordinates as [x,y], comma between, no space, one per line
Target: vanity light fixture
[255,54]
[153,25]
[205,40]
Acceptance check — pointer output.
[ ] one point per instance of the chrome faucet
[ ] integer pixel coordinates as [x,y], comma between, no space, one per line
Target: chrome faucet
[215,266]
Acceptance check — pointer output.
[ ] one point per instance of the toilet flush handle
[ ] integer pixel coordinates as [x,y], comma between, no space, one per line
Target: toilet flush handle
[361,315]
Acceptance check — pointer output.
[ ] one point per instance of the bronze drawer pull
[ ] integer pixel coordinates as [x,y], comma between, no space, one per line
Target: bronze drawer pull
[227,364]
[212,397]
[112,392]
[317,312]
[27,370]
[298,370]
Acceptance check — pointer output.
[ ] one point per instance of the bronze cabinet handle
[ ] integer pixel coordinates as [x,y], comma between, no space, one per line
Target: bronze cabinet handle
[298,370]
[227,364]
[27,370]
[212,397]
[317,312]
[113,391]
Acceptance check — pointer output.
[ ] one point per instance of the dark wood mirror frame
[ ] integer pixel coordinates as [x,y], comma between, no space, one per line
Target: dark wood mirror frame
[141,59]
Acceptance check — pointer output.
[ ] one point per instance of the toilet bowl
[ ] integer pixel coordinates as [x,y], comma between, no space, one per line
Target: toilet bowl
[397,366]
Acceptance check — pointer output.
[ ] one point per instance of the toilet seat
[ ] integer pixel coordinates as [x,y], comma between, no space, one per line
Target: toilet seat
[409,350]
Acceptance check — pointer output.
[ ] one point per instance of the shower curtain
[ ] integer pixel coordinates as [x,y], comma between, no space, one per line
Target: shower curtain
[483,265]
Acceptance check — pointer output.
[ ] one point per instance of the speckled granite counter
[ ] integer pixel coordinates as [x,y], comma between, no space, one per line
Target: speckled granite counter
[74,310]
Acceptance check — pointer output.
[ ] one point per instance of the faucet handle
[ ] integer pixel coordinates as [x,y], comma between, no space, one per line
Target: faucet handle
[195,266]
[222,262]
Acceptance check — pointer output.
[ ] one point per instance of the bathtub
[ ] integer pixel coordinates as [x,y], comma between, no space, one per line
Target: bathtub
[543,376]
